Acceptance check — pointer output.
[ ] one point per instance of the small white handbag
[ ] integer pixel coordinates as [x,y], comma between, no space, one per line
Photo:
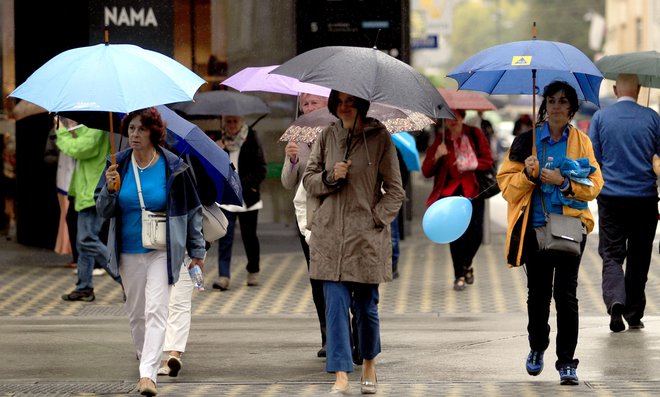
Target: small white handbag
[154,224]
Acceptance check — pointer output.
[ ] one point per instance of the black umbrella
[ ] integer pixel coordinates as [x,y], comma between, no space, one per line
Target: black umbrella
[369,74]
[222,103]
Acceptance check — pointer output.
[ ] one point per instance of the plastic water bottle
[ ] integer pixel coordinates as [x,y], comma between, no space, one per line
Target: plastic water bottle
[548,163]
[197,277]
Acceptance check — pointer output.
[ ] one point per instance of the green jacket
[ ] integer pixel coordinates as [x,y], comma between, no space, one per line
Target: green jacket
[90,148]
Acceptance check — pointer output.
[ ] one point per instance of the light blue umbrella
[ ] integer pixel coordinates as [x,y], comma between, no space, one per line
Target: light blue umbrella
[527,67]
[110,78]
[408,148]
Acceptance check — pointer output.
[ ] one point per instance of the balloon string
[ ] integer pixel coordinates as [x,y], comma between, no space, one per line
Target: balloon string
[484,191]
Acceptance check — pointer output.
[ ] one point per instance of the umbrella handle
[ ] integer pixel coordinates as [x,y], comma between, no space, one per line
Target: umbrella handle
[113,160]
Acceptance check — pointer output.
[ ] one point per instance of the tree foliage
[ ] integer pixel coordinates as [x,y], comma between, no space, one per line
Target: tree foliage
[479,24]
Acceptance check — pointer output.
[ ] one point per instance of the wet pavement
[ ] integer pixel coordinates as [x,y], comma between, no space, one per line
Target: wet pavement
[262,341]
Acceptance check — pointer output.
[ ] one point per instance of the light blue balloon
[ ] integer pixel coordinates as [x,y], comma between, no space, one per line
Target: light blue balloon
[447,219]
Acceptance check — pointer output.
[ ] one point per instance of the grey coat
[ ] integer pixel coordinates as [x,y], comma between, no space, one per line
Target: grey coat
[292,173]
[351,238]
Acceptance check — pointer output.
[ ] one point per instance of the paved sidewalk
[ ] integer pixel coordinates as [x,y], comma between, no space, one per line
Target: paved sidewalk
[262,341]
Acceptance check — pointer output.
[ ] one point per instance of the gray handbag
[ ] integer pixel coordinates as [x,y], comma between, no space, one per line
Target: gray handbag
[560,233]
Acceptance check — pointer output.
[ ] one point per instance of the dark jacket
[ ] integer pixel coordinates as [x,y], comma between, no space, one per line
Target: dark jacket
[251,168]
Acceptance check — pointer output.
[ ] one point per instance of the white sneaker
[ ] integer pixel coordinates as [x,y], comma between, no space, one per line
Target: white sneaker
[95,272]
[163,371]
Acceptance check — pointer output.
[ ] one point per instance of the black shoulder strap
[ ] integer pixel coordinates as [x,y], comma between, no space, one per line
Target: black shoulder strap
[473,132]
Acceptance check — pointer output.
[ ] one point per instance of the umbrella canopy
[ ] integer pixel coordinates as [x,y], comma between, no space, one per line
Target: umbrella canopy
[260,79]
[110,78]
[186,138]
[408,148]
[25,109]
[527,67]
[222,103]
[307,127]
[646,65]
[466,100]
[369,74]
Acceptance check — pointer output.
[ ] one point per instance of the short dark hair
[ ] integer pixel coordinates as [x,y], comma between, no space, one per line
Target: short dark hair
[553,88]
[460,112]
[362,105]
[151,120]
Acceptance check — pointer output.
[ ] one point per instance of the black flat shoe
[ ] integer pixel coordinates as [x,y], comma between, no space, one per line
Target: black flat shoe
[616,318]
[321,352]
[459,284]
[469,275]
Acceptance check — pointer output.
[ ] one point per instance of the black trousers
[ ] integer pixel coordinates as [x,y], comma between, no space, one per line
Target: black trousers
[465,247]
[627,229]
[552,275]
[317,289]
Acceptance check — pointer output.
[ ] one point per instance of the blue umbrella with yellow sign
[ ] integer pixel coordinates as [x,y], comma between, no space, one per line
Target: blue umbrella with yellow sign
[526,67]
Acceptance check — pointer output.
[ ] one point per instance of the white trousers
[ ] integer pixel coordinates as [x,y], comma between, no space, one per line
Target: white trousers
[144,277]
[178,320]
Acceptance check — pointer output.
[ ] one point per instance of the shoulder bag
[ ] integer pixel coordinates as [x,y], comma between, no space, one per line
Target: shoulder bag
[214,221]
[561,232]
[486,179]
[154,224]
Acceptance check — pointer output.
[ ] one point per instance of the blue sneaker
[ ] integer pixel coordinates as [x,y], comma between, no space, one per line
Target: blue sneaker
[534,362]
[568,376]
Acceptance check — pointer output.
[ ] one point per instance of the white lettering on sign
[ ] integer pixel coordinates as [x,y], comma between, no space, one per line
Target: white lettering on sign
[130,17]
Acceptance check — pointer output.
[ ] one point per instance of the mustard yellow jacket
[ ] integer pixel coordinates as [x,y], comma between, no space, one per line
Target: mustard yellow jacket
[517,188]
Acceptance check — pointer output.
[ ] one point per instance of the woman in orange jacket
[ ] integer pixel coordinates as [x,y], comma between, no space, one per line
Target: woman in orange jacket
[549,273]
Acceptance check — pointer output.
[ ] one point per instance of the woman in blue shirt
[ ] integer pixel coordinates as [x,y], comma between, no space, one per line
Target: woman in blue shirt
[147,274]
[530,180]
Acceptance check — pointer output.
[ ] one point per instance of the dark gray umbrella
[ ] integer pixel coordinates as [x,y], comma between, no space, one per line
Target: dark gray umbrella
[222,103]
[369,74]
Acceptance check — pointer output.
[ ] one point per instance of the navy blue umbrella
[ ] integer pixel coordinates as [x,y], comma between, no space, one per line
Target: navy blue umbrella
[187,138]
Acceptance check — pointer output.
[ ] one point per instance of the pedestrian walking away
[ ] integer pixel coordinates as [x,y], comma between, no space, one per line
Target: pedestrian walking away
[532,193]
[89,147]
[625,138]
[451,160]
[352,163]
[152,179]
[245,151]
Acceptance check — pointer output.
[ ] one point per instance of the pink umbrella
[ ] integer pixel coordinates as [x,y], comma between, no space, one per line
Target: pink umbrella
[259,79]
[466,100]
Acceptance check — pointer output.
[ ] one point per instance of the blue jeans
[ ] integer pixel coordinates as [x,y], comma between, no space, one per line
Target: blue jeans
[337,304]
[248,224]
[90,248]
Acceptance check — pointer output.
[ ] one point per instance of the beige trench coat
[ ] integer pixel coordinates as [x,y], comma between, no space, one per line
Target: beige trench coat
[351,238]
